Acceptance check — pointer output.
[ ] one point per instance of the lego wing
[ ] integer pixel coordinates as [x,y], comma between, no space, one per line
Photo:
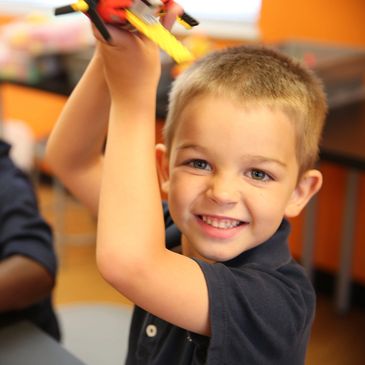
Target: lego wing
[162,37]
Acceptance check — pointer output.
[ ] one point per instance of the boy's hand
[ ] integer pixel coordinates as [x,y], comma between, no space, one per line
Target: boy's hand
[132,62]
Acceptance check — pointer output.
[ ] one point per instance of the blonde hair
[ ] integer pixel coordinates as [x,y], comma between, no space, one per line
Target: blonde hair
[256,76]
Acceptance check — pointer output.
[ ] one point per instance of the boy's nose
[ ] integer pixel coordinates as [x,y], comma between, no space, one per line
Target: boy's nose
[223,190]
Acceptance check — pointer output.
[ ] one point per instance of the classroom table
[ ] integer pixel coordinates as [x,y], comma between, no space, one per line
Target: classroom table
[24,343]
[344,143]
[342,71]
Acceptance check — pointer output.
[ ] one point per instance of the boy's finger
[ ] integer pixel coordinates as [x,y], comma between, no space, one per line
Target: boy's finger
[117,35]
[96,33]
[169,18]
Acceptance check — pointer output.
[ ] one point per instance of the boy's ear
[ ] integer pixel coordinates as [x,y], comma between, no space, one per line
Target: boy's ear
[162,162]
[308,185]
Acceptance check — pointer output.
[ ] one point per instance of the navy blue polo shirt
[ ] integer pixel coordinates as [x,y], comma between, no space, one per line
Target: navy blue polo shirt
[261,307]
[24,232]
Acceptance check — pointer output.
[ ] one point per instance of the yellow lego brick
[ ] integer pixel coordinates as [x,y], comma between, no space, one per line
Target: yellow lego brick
[80,5]
[184,23]
[162,37]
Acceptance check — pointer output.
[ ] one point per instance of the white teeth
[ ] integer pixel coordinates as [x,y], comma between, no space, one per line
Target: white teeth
[220,223]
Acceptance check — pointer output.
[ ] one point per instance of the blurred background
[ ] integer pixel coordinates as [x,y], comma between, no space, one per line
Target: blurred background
[41,59]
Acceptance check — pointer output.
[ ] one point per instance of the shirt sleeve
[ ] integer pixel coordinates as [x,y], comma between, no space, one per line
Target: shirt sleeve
[257,316]
[23,231]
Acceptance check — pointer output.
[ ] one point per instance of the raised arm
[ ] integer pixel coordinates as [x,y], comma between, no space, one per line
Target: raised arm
[131,253]
[74,149]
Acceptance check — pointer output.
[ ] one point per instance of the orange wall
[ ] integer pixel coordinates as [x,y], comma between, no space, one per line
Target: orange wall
[335,21]
[5,19]
[38,108]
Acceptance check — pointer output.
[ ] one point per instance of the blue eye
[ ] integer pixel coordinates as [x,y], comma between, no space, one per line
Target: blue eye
[199,164]
[259,175]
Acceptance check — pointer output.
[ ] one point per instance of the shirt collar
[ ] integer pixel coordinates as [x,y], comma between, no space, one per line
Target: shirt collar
[274,252]
[4,148]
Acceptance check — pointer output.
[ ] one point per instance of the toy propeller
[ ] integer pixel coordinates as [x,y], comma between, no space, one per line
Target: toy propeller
[142,15]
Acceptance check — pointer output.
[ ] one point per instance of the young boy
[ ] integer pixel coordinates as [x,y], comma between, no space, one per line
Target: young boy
[241,138]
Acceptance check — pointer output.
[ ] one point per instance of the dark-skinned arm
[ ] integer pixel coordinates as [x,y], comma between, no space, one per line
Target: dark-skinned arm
[23,282]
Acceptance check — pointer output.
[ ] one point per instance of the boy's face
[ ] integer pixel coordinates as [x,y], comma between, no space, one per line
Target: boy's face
[231,176]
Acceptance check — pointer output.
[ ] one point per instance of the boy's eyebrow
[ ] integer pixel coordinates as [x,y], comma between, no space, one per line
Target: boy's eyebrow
[263,159]
[185,146]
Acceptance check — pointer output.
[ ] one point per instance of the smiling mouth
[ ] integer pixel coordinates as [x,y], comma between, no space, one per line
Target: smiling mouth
[220,223]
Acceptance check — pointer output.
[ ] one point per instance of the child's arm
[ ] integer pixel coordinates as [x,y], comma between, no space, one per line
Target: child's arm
[23,282]
[131,251]
[74,149]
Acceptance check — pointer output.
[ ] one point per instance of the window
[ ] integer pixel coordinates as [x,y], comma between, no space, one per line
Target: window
[219,18]
[225,18]
[25,6]
[247,11]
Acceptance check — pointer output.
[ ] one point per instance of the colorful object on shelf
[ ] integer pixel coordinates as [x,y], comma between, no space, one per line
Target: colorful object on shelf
[39,34]
[142,15]
[30,45]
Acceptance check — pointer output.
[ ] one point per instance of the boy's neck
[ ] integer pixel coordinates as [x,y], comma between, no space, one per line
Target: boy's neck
[187,250]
